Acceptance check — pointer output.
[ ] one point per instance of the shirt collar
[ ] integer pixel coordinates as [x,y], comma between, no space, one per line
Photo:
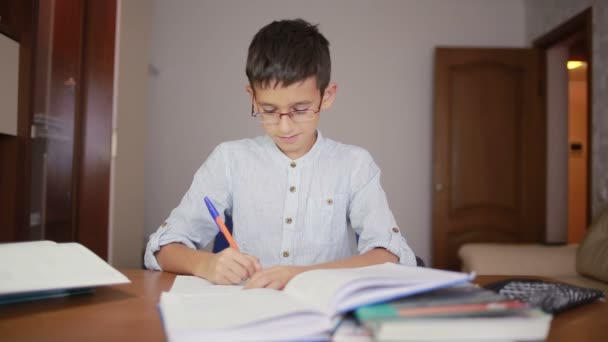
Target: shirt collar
[307,158]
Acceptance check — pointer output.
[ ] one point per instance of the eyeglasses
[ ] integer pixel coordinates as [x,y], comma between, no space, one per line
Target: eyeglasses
[296,115]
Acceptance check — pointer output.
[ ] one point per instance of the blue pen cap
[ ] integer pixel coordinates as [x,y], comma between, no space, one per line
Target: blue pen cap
[211,208]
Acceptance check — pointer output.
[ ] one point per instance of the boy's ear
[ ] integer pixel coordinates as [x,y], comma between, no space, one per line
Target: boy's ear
[329,95]
[249,91]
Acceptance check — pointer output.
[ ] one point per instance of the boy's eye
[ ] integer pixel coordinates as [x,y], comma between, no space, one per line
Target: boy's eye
[300,111]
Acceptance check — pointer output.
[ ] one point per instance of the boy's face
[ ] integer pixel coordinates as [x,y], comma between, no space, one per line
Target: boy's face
[293,138]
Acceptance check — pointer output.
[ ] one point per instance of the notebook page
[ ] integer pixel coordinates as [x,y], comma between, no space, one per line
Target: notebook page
[281,329]
[195,309]
[46,265]
[194,285]
[215,310]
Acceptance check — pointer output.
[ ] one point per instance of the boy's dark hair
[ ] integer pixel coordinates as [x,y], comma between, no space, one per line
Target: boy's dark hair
[288,51]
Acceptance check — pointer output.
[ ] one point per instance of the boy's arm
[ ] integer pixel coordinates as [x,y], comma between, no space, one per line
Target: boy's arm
[277,277]
[190,225]
[370,215]
[372,257]
[226,267]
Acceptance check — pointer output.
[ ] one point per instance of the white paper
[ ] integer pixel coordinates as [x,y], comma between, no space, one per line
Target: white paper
[217,310]
[46,265]
[193,285]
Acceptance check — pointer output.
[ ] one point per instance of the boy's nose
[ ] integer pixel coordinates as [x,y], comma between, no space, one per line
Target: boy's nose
[285,123]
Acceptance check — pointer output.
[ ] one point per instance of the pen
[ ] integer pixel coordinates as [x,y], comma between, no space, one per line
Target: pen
[220,224]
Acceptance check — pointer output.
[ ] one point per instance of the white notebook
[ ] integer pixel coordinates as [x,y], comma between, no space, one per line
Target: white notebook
[46,268]
[531,325]
[307,309]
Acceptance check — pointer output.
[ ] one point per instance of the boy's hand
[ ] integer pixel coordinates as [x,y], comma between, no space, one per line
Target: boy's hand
[274,277]
[228,267]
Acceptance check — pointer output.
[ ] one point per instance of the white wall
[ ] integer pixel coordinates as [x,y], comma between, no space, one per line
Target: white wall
[382,55]
[130,116]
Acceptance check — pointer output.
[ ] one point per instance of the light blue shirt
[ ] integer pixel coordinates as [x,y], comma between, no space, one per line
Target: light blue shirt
[287,212]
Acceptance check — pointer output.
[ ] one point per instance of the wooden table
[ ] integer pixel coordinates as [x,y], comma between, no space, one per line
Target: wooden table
[129,313]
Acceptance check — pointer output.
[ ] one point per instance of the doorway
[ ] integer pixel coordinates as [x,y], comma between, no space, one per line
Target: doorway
[504,172]
[567,50]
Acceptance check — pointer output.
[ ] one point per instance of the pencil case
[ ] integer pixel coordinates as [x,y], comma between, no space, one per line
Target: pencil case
[550,296]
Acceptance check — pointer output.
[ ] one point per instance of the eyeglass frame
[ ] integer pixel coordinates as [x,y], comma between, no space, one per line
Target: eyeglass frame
[290,114]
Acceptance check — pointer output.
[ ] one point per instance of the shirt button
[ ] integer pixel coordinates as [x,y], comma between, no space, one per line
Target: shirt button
[330,201]
[285,254]
[292,188]
[288,220]
[395,230]
[293,164]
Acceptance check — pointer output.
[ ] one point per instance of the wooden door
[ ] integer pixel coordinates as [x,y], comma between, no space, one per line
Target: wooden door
[57,82]
[55,174]
[489,149]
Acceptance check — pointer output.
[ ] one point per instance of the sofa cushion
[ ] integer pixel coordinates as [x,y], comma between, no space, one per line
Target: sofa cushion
[592,255]
[582,281]
[519,259]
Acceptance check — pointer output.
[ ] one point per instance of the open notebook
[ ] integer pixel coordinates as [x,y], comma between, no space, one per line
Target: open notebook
[307,309]
[41,269]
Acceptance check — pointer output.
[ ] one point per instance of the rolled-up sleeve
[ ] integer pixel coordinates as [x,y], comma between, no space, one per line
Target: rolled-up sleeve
[371,217]
[190,223]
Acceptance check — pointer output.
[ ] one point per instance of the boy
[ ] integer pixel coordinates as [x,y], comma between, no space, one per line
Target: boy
[292,193]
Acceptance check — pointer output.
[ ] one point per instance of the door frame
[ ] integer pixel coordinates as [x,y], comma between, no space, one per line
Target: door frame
[581,22]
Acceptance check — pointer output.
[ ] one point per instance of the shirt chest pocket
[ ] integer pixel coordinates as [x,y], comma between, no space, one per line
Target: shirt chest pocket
[326,215]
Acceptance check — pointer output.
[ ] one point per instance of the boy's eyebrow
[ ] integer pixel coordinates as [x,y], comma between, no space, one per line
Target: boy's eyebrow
[299,103]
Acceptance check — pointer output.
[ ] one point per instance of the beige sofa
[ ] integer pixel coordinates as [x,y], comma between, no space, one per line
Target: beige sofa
[584,265]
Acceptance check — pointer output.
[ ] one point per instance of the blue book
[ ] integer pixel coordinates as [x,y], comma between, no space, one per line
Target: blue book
[457,301]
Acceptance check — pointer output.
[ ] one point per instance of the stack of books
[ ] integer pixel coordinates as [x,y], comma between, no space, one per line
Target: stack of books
[462,313]
[394,302]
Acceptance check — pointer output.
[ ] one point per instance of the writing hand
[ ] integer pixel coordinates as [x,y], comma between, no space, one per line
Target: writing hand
[228,267]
